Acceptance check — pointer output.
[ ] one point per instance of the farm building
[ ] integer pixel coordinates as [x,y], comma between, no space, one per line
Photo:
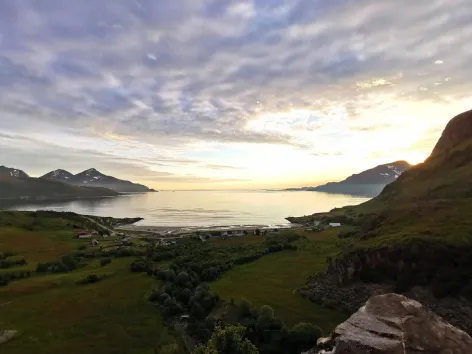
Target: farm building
[83,234]
[335,224]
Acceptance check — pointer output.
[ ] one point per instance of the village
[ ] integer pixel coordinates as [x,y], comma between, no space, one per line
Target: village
[119,235]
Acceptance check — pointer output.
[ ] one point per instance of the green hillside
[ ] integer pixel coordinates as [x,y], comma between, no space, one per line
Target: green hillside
[54,312]
[417,232]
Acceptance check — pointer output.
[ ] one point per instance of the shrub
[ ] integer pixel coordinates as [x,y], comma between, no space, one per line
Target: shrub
[245,308]
[227,340]
[303,336]
[105,261]
[140,265]
[90,279]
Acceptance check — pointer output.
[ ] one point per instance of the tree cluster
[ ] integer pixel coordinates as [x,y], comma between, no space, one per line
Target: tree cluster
[269,333]
[65,264]
[6,278]
[9,263]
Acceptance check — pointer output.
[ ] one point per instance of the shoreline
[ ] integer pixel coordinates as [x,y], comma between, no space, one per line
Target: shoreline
[180,230]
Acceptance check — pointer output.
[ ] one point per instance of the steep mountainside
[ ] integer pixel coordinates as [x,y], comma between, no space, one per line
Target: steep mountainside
[369,183]
[417,232]
[94,178]
[38,189]
[12,172]
[446,174]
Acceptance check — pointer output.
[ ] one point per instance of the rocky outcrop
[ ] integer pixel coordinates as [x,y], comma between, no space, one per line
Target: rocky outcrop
[457,131]
[425,272]
[395,324]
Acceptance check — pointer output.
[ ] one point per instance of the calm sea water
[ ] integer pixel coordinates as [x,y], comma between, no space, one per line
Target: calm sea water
[203,208]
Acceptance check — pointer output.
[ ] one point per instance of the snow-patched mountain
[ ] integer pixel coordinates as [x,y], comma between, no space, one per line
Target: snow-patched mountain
[94,178]
[383,174]
[59,175]
[16,184]
[367,183]
[12,172]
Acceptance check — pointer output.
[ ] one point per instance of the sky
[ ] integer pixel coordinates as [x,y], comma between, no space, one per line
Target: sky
[214,94]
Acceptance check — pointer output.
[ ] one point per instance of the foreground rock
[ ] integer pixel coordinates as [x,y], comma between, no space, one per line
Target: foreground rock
[395,324]
[6,335]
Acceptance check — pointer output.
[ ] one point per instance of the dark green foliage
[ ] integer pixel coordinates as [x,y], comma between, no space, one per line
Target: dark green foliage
[245,308]
[185,290]
[303,336]
[228,340]
[90,279]
[65,264]
[6,278]
[105,261]
[140,265]
[6,263]
[265,319]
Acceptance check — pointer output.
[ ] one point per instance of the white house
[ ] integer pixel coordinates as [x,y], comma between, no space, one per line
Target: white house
[335,224]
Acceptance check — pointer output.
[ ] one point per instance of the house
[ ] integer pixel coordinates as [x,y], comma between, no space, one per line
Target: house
[335,224]
[94,243]
[83,234]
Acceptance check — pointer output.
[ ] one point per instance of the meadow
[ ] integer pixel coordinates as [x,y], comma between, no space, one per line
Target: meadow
[54,314]
[274,279]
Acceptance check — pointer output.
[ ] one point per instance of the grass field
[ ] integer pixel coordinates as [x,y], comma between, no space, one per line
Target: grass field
[273,280]
[56,315]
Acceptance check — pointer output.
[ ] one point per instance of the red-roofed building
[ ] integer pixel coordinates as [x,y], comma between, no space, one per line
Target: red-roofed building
[83,234]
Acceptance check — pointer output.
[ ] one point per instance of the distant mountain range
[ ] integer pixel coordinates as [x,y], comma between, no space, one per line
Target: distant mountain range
[367,183]
[94,178]
[60,184]
[16,184]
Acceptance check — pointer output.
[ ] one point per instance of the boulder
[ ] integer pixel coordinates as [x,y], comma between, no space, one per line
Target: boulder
[395,324]
[6,335]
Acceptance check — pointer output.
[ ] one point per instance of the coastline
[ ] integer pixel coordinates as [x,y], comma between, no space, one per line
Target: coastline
[181,230]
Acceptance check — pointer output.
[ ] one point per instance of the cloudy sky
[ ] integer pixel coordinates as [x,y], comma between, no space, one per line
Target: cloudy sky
[229,94]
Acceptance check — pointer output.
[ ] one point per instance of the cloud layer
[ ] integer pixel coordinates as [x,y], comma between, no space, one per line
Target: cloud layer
[215,90]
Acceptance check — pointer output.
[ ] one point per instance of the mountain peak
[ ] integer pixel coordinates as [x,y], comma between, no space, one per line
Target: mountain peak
[457,132]
[58,175]
[12,172]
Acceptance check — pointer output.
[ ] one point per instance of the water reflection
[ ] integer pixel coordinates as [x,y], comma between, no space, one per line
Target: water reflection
[200,208]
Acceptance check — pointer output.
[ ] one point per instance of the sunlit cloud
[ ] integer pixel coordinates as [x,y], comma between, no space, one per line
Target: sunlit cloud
[235,92]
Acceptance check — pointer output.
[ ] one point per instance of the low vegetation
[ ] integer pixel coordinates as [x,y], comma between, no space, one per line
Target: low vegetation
[110,288]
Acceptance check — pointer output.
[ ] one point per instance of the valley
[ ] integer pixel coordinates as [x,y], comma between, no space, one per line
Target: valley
[47,302]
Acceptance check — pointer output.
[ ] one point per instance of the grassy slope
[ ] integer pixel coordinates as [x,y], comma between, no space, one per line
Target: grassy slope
[273,280]
[55,315]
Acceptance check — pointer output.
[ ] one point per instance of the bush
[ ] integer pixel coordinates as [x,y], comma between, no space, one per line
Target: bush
[105,261]
[90,279]
[245,308]
[303,336]
[140,265]
[228,340]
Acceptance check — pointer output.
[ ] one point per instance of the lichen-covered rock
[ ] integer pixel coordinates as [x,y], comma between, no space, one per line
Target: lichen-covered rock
[395,324]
